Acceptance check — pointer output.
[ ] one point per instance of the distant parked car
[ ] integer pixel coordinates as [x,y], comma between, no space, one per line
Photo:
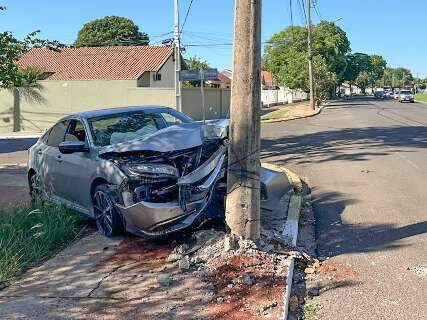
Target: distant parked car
[406,95]
[379,95]
[396,95]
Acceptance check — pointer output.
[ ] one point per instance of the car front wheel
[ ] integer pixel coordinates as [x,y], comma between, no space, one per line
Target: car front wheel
[108,219]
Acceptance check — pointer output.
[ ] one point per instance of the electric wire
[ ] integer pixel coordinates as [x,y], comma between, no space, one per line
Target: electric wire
[186,16]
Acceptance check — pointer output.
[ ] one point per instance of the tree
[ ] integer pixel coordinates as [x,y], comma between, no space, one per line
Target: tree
[286,57]
[398,77]
[26,86]
[110,31]
[356,64]
[10,75]
[377,69]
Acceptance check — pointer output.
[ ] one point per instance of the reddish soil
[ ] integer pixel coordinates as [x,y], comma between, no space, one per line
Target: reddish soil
[336,270]
[242,301]
[140,250]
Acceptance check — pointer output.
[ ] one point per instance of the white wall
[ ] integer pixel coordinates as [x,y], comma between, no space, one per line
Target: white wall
[281,96]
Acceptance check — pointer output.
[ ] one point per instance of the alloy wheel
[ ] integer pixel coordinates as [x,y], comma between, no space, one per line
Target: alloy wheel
[104,211]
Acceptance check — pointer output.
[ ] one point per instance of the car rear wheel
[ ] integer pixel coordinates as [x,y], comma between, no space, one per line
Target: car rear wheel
[35,187]
[108,219]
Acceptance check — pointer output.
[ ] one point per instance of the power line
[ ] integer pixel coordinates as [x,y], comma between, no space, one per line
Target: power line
[302,8]
[186,15]
[317,10]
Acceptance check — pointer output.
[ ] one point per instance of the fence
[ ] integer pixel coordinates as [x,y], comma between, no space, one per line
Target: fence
[61,98]
[272,97]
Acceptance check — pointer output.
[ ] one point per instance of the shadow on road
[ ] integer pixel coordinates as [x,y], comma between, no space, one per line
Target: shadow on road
[355,144]
[339,238]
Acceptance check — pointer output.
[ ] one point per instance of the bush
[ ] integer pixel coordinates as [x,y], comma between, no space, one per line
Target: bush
[32,233]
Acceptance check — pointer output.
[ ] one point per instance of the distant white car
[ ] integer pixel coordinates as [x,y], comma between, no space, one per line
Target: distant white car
[396,95]
[406,95]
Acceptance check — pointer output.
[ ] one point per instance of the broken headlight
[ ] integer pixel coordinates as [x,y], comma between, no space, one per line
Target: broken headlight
[151,170]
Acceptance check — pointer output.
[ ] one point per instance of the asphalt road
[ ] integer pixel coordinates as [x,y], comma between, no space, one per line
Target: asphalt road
[366,163]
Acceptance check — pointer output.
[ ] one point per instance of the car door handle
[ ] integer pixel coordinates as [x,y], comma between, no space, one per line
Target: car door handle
[59,158]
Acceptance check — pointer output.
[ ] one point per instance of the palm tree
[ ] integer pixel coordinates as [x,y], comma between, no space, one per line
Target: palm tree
[26,85]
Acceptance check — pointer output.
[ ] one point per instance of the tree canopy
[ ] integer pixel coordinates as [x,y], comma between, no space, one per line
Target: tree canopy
[110,31]
[286,57]
[398,77]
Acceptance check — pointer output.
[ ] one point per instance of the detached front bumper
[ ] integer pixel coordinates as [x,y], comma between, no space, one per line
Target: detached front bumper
[196,189]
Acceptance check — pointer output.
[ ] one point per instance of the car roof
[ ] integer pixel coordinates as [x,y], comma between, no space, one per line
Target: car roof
[111,111]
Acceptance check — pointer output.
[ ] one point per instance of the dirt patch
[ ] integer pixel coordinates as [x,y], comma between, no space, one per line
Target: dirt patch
[248,286]
[139,250]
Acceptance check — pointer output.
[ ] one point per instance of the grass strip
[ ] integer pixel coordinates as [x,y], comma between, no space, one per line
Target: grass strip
[32,233]
[277,114]
[421,97]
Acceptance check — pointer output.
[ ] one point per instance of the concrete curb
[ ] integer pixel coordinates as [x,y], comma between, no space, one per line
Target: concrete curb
[419,101]
[315,113]
[290,229]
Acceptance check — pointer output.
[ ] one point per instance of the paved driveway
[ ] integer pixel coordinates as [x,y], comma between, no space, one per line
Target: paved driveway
[366,162]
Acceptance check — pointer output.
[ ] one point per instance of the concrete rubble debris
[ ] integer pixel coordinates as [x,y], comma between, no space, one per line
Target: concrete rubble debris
[164,280]
[266,307]
[184,263]
[173,257]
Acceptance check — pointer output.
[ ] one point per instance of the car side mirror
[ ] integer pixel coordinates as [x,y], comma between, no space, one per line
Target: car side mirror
[68,147]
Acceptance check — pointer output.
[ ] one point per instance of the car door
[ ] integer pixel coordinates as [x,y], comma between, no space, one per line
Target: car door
[75,171]
[52,157]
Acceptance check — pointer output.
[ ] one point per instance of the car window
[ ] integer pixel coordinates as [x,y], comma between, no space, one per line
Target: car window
[45,137]
[170,119]
[117,128]
[75,131]
[57,133]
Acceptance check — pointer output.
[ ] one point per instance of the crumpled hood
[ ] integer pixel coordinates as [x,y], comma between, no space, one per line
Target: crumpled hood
[173,138]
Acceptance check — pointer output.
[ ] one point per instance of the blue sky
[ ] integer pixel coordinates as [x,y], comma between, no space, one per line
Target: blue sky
[394,29]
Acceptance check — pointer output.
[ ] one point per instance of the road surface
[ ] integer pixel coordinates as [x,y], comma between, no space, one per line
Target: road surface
[366,163]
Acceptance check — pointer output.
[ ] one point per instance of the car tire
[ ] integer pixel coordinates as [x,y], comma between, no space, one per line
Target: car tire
[108,220]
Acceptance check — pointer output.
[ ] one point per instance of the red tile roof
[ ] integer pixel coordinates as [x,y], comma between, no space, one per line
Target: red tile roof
[93,63]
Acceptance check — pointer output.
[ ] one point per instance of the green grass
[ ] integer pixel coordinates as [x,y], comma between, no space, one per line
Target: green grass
[421,97]
[311,310]
[32,233]
[278,114]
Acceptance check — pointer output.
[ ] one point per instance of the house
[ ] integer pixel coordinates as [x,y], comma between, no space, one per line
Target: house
[223,82]
[267,80]
[87,78]
[139,66]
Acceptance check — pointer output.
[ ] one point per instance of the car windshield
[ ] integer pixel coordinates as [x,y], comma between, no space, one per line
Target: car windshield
[405,92]
[122,127]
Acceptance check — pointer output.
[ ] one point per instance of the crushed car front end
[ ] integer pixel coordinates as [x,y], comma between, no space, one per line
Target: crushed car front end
[169,190]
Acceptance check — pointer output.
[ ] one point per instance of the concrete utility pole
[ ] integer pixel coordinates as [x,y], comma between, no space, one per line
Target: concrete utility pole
[243,199]
[177,52]
[310,56]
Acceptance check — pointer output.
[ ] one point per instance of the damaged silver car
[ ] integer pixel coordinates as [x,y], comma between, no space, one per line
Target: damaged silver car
[147,170]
